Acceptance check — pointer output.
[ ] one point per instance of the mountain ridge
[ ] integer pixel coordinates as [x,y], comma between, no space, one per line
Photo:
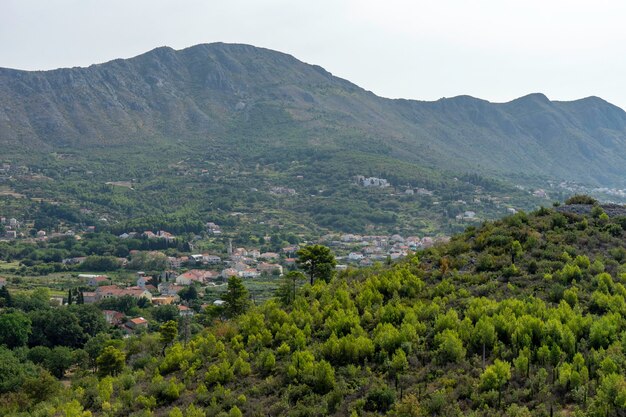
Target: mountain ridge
[236,94]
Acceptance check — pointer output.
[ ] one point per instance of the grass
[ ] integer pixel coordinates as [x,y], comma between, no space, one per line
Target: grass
[4,266]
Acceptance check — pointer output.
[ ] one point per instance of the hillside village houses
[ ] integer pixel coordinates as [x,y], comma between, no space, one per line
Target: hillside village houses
[170,289]
[114,291]
[196,276]
[95,280]
[149,234]
[213,228]
[371,182]
[136,324]
[365,250]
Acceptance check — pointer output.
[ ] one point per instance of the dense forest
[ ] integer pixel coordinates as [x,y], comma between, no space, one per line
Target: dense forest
[518,317]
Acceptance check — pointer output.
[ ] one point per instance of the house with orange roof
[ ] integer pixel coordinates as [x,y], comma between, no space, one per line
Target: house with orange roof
[98,280]
[136,324]
[113,317]
[185,311]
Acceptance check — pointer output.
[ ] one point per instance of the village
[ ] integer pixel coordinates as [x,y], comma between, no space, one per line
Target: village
[171,279]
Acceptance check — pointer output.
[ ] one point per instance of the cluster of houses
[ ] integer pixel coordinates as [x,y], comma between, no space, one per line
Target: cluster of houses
[364,250]
[11,227]
[241,262]
[165,294]
[468,215]
[15,228]
[8,170]
[251,263]
[103,289]
[371,182]
[418,191]
[282,191]
[149,234]
[213,229]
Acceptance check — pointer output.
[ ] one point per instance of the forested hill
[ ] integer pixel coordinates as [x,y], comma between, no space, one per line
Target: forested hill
[240,101]
[520,317]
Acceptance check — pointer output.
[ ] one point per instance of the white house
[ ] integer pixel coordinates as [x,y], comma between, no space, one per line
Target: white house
[355,256]
[211,259]
[249,273]
[185,311]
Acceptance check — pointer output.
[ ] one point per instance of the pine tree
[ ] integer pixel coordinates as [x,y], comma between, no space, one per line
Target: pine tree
[236,296]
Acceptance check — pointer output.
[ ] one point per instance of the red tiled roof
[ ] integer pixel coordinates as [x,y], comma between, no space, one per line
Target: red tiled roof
[138,320]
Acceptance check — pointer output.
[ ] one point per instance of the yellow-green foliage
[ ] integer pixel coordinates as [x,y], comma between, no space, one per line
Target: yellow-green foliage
[405,340]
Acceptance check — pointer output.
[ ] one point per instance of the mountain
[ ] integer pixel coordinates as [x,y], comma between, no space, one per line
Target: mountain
[244,102]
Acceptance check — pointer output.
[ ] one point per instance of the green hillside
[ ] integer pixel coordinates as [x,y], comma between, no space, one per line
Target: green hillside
[519,317]
[212,129]
[245,102]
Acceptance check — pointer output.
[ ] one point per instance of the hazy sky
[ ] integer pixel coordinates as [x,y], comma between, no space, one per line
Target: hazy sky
[494,49]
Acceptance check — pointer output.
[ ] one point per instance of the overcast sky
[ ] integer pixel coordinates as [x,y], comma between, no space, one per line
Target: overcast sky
[493,49]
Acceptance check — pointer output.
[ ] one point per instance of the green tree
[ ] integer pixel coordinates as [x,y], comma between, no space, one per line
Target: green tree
[516,251]
[90,318]
[495,377]
[611,396]
[597,211]
[318,261]
[235,412]
[95,346]
[5,297]
[11,371]
[165,313]
[15,328]
[59,327]
[189,293]
[581,199]
[168,333]
[100,263]
[321,377]
[450,346]
[111,361]
[236,297]
[399,364]
[41,387]
[59,360]
[485,334]
[267,362]
[287,290]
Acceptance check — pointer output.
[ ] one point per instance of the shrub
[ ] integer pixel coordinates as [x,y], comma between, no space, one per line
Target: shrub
[581,199]
[380,399]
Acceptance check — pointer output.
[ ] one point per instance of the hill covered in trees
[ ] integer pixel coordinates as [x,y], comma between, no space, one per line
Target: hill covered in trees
[519,317]
[199,134]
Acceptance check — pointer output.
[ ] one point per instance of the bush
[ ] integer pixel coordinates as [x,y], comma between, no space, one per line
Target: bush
[380,399]
[581,199]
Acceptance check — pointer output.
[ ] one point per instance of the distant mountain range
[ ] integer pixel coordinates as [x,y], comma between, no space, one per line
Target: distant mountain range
[245,102]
